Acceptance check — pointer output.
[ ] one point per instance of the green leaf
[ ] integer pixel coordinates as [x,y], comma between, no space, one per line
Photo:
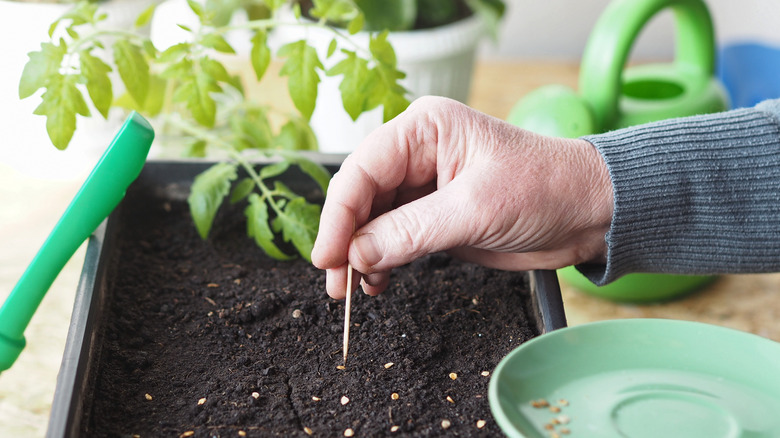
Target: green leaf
[316,171]
[282,190]
[196,7]
[395,103]
[217,42]
[382,50]
[178,70]
[356,24]
[242,190]
[215,69]
[296,134]
[133,69]
[275,4]
[354,84]
[274,169]
[221,11]
[207,194]
[335,11]
[257,227]
[98,83]
[146,16]
[195,91]
[332,47]
[301,67]
[60,104]
[251,129]
[389,15]
[196,149]
[260,54]
[299,224]
[41,66]
[174,52]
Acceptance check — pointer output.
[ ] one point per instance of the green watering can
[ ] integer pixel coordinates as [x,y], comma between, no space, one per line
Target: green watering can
[612,97]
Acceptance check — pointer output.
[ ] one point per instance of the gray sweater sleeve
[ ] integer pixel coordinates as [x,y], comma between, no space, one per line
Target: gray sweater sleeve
[695,195]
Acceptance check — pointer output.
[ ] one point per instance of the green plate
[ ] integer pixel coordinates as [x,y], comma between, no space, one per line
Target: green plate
[640,378]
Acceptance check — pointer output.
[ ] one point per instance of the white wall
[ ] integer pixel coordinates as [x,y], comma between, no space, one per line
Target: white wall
[559,29]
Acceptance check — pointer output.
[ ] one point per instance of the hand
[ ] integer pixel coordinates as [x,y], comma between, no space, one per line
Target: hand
[442,176]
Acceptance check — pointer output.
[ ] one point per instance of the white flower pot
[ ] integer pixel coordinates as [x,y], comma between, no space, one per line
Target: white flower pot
[436,61]
[26,146]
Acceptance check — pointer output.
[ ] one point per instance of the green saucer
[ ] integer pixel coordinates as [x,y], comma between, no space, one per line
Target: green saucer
[640,378]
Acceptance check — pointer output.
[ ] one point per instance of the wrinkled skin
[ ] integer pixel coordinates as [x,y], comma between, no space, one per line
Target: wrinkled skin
[442,176]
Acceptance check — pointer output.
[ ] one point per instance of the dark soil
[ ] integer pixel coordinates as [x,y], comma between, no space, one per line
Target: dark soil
[213,339]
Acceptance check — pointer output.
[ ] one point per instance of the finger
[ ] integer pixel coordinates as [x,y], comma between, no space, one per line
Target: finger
[398,153]
[444,219]
[376,283]
[336,282]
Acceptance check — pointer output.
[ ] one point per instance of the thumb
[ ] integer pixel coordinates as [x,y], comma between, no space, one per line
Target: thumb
[436,222]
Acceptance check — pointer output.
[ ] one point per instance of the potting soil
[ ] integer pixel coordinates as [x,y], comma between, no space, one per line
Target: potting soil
[214,339]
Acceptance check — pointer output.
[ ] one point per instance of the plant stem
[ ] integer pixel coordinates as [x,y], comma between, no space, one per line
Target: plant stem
[206,136]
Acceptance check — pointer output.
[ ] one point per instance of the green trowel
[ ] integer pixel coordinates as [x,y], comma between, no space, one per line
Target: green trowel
[105,186]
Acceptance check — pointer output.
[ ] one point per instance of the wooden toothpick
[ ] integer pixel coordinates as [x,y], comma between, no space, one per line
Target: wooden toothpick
[347,310]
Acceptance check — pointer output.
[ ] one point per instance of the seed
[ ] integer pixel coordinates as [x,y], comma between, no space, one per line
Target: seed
[563,419]
[349,432]
[388,365]
[563,402]
[481,424]
[565,430]
[344,400]
[485,373]
[340,367]
[297,313]
[394,396]
[555,409]
[541,403]
[308,431]
[202,401]
[474,301]
[394,428]
[445,424]
[187,433]
[549,426]
[148,397]
[315,398]
[453,376]
[449,399]
[241,433]
[255,395]
[212,285]
[554,435]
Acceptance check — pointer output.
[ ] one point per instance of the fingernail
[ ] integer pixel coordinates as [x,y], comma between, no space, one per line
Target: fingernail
[367,249]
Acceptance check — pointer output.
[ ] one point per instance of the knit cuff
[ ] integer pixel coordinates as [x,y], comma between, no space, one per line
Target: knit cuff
[694,195]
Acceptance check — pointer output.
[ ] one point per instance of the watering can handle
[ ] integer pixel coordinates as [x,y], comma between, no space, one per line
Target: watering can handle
[610,43]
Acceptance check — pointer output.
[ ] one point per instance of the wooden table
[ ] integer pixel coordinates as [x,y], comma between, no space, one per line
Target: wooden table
[30,208]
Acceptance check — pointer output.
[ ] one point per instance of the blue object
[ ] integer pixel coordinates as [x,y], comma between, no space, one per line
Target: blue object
[750,71]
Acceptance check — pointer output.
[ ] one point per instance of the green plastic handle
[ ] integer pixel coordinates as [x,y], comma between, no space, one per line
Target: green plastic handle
[610,44]
[105,186]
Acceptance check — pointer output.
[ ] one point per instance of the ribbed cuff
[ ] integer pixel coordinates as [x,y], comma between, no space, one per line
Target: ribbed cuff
[695,195]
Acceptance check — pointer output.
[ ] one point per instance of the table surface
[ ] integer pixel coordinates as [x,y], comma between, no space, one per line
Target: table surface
[31,207]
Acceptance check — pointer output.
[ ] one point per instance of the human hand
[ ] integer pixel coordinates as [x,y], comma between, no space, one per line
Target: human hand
[442,176]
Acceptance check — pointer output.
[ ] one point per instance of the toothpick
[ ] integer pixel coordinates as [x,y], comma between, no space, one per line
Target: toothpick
[347,310]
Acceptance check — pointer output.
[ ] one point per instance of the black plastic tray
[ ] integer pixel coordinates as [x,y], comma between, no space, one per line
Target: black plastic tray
[82,344]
